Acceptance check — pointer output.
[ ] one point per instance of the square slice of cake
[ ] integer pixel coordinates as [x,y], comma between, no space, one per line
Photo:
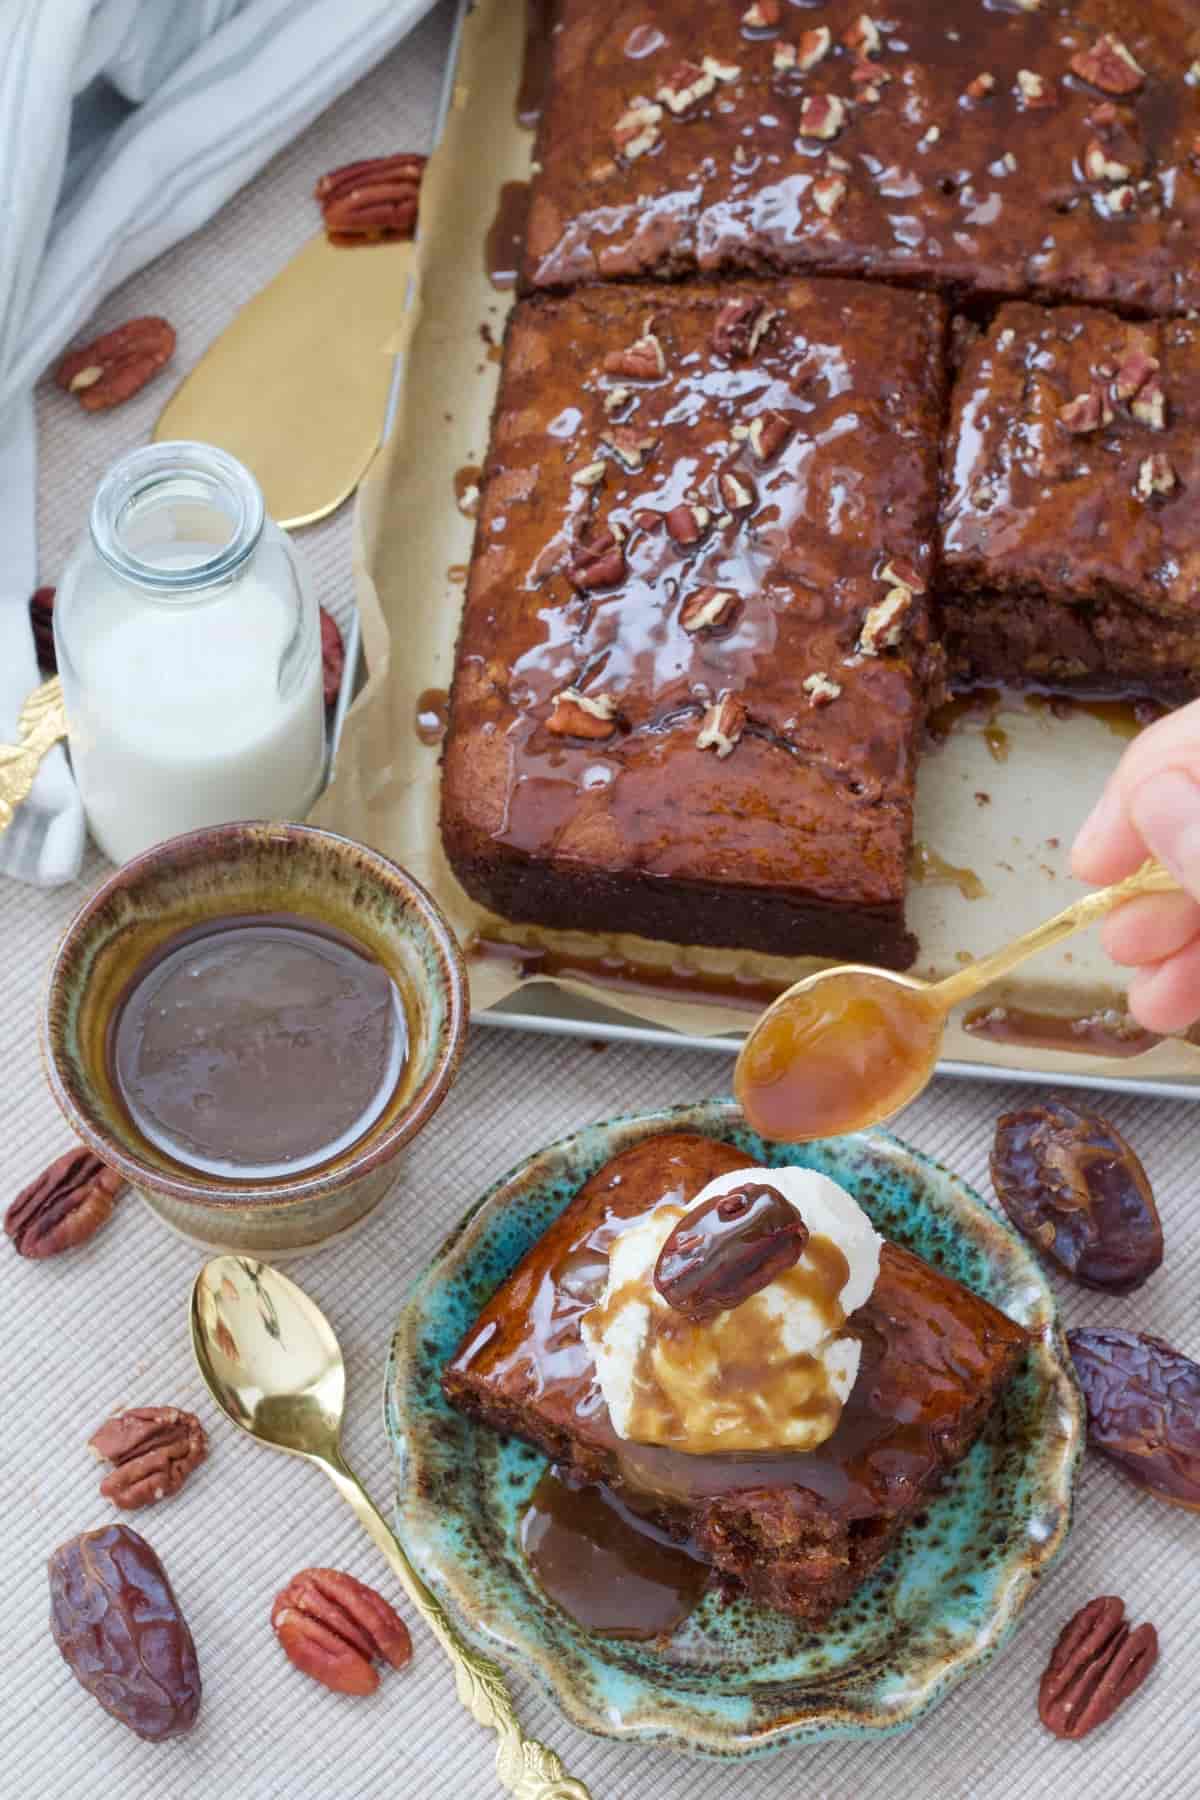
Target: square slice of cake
[694,659]
[1071,504]
[795,1530]
[1023,147]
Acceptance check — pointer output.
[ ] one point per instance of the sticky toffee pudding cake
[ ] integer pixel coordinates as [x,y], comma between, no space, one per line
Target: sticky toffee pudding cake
[885,1368]
[694,663]
[1070,518]
[983,147]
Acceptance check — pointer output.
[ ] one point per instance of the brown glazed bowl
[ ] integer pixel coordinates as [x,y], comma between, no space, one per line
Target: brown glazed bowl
[246,869]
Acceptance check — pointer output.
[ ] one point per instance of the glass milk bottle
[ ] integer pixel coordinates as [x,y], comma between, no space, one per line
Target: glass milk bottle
[189,645]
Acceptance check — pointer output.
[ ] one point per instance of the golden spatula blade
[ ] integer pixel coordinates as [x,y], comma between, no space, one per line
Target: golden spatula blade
[297,386]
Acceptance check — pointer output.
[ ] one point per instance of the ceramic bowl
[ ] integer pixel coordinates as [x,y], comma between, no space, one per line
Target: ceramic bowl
[735,1680]
[247,869]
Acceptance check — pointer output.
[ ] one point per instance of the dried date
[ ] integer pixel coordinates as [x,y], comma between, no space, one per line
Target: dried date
[1072,1185]
[728,1248]
[1143,1407]
[333,657]
[118,1626]
[41,618]
[64,1207]
[1097,1663]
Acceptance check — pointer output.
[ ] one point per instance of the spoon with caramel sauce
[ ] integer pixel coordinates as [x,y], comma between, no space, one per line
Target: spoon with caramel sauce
[848,1047]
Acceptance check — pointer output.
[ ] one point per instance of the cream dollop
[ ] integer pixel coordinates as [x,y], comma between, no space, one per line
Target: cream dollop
[771,1374]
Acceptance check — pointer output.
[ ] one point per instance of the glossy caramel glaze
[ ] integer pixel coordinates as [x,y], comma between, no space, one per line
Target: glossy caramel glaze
[799,1530]
[923,181]
[1039,517]
[796,837]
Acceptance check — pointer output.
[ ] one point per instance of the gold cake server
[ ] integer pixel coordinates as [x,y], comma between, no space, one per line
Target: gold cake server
[297,386]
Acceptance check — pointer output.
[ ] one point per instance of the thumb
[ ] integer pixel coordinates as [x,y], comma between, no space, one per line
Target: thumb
[1165,812]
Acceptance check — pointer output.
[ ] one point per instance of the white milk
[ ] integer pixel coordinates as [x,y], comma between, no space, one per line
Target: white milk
[177,719]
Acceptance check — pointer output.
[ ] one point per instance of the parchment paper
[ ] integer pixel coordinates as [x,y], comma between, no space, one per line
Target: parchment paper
[1002,799]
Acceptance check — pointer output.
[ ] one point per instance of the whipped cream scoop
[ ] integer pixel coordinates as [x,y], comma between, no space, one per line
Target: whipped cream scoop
[771,1372]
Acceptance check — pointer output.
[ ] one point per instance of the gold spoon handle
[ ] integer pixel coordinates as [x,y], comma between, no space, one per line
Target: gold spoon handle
[42,722]
[524,1767]
[1151,878]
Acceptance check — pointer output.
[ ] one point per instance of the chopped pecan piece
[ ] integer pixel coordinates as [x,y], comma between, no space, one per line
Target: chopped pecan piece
[764,15]
[629,445]
[582,715]
[1086,412]
[1098,165]
[1097,1663]
[821,116]
[596,561]
[64,1207]
[820,689]
[813,46]
[41,618]
[862,36]
[783,58]
[884,622]
[980,86]
[1109,66]
[1133,373]
[718,70]
[1034,89]
[741,326]
[828,192]
[766,434]
[709,609]
[685,87]
[335,1628]
[722,726]
[371,200]
[643,360]
[589,476]
[154,1450]
[616,398]
[737,493]
[1116,201]
[1156,475]
[1149,406]
[688,522]
[637,130]
[902,574]
[117,365]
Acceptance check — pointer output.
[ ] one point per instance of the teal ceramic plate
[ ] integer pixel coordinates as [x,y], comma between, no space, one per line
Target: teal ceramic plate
[735,1680]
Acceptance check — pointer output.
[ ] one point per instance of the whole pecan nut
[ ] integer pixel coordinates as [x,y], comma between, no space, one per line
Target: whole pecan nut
[117,1623]
[154,1450]
[1097,1663]
[333,657]
[64,1207]
[114,367]
[41,618]
[373,199]
[335,1628]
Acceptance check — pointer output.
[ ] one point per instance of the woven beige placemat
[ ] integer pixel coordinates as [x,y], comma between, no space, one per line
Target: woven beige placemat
[106,1326]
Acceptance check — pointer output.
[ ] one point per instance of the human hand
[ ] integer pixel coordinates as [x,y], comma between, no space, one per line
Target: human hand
[1151,807]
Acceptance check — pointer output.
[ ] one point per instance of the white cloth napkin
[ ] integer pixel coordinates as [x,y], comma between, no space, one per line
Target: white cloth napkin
[124,125]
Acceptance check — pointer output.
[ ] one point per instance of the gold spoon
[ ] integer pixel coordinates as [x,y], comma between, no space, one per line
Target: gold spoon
[274,1366]
[42,722]
[848,1047]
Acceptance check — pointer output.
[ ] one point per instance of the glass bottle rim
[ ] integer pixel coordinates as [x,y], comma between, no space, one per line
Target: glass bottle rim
[229,487]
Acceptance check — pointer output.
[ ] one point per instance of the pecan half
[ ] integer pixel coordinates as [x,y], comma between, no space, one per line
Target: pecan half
[117,365]
[1109,66]
[1097,1663]
[596,561]
[575,714]
[64,1207]
[333,657]
[372,200]
[41,618]
[153,1449]
[741,326]
[335,1629]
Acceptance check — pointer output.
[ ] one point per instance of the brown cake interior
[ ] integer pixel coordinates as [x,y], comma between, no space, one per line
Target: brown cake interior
[798,1531]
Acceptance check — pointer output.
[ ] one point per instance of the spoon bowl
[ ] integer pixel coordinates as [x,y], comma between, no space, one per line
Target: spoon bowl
[273,1364]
